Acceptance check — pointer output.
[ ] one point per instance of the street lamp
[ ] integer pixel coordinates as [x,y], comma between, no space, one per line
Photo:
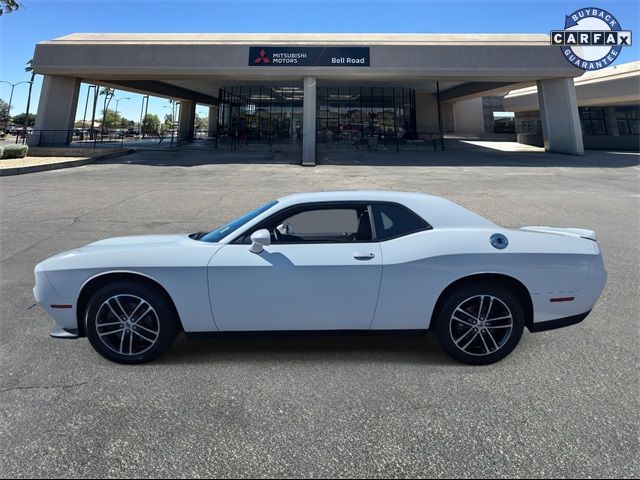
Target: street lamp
[86,104]
[172,106]
[116,116]
[143,114]
[13,85]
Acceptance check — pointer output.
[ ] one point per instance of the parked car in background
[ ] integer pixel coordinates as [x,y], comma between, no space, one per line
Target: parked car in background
[21,133]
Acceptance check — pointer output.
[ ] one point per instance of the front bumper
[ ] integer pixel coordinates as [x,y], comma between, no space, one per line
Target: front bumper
[64,334]
[62,310]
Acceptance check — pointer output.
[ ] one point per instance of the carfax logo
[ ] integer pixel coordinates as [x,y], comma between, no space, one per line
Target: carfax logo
[592,38]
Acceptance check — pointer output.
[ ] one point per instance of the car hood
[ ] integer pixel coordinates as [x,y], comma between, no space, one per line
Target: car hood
[134,240]
[134,251]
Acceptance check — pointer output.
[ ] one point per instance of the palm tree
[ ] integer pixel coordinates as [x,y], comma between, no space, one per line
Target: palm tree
[108,95]
[8,6]
[29,69]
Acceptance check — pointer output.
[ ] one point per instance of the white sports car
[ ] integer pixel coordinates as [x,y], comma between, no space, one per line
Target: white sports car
[357,260]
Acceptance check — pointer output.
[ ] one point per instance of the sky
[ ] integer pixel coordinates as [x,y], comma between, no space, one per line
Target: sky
[40,20]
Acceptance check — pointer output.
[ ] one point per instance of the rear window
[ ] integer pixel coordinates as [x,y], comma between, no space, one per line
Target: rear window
[393,221]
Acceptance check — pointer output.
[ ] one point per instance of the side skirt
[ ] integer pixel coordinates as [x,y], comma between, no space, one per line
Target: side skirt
[305,333]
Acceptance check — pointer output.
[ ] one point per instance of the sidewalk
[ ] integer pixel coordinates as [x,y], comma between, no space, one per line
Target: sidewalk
[18,166]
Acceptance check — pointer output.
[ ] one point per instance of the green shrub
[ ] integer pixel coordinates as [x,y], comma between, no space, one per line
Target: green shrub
[1,150]
[14,151]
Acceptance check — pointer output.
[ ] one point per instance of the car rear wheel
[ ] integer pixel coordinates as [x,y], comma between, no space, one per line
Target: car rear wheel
[480,325]
[127,322]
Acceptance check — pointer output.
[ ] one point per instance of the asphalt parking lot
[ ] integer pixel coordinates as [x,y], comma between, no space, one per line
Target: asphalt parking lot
[565,403]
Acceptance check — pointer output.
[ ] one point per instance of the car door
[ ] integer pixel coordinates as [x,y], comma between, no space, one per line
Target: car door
[321,272]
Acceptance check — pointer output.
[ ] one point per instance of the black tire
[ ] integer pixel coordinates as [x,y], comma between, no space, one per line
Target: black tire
[486,336]
[135,337]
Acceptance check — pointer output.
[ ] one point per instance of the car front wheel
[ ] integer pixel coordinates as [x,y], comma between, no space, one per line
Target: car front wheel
[130,323]
[480,325]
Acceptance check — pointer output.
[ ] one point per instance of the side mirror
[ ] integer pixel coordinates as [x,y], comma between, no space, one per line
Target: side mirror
[259,240]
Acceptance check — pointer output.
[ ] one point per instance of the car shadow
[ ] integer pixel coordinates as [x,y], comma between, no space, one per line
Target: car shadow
[314,347]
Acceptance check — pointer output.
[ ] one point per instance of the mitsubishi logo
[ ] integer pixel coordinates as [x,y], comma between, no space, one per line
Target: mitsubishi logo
[262,58]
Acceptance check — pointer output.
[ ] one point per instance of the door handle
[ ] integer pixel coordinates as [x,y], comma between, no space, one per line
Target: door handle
[363,256]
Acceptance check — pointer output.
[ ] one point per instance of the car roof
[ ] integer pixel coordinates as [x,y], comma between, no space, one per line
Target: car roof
[352,195]
[438,211]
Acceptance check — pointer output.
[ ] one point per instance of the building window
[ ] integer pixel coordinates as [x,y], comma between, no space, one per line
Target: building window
[628,119]
[344,114]
[349,115]
[592,120]
[530,127]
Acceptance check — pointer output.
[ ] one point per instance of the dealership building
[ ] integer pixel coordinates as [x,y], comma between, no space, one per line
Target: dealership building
[311,89]
[608,107]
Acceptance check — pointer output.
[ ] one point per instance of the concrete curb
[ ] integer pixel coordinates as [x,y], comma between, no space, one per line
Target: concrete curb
[4,172]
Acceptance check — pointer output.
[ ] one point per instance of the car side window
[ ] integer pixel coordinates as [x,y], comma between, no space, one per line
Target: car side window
[393,220]
[337,221]
[320,224]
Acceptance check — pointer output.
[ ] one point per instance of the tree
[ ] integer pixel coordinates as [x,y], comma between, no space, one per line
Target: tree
[202,123]
[168,122]
[108,95]
[29,69]
[110,119]
[21,119]
[4,112]
[150,124]
[8,6]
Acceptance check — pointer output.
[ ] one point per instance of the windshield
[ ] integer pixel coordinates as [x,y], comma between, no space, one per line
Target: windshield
[221,232]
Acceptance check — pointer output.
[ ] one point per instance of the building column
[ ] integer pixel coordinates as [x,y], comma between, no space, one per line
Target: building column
[561,129]
[56,111]
[469,117]
[187,120]
[427,113]
[213,122]
[309,122]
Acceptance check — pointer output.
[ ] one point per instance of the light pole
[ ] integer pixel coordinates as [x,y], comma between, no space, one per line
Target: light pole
[172,106]
[86,104]
[175,103]
[123,98]
[201,115]
[145,99]
[116,118]
[13,85]
[165,121]
[93,115]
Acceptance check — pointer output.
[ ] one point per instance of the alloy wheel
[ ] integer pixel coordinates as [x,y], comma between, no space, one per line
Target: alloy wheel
[127,324]
[481,325]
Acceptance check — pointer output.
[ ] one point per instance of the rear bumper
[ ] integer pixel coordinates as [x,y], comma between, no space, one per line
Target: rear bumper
[552,307]
[558,323]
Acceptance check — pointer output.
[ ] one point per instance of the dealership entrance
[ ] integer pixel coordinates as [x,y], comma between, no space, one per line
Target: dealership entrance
[260,114]
[345,115]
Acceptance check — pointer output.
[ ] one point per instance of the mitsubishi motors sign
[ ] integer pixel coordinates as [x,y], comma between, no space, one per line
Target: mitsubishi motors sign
[309,56]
